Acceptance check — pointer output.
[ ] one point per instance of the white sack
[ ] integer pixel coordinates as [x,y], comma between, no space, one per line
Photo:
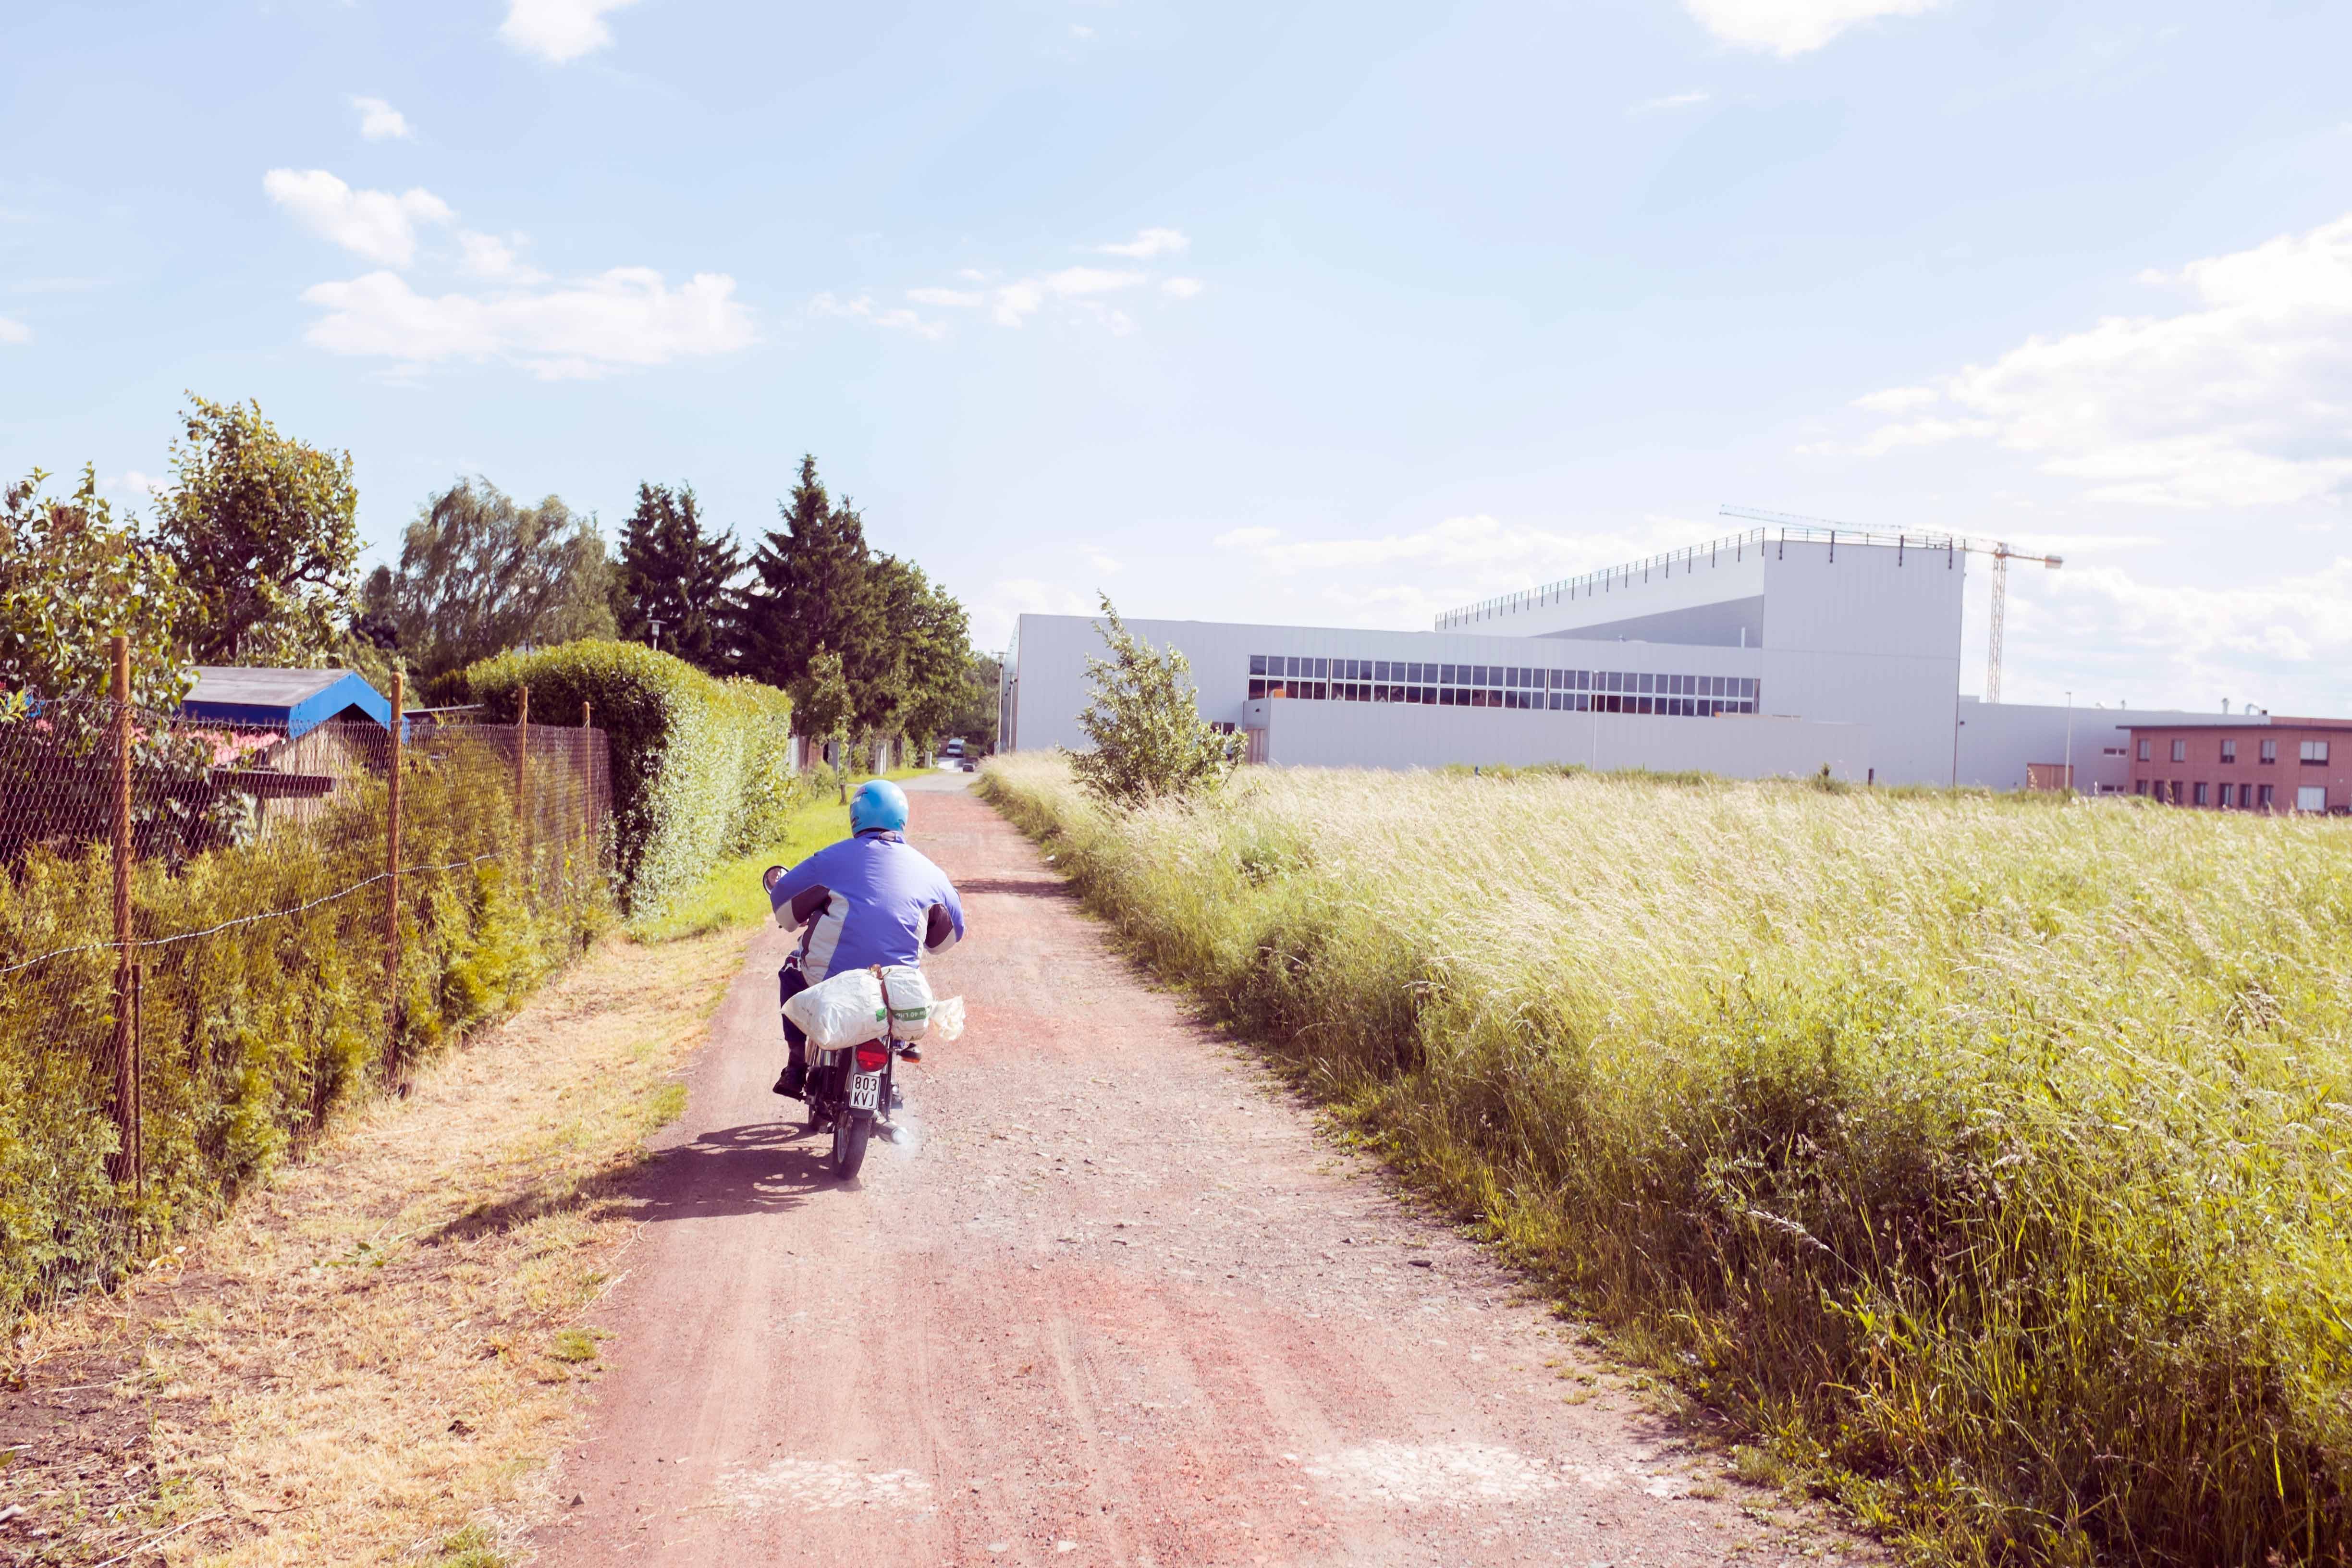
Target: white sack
[847,1009]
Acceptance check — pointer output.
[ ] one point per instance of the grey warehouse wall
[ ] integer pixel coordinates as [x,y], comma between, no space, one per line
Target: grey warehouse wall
[1731,623]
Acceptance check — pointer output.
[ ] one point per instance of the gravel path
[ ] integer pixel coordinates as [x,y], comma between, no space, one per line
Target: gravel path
[1109,1300]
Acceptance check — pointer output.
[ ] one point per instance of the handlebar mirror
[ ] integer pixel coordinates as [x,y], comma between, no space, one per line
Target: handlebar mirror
[768,878]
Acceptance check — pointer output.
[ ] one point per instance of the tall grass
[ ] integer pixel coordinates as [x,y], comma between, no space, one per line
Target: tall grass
[1992,1156]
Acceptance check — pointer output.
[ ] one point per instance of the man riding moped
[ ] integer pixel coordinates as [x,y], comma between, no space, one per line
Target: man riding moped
[871,899]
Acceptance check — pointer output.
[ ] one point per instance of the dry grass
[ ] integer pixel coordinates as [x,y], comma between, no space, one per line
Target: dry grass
[1987,1159]
[370,1359]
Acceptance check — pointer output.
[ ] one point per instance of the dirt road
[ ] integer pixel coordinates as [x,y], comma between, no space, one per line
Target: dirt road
[1111,1301]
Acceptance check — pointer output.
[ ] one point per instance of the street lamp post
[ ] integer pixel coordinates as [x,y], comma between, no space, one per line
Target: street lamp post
[2070,745]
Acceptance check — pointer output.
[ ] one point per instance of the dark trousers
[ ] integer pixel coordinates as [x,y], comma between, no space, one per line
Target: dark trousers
[791,982]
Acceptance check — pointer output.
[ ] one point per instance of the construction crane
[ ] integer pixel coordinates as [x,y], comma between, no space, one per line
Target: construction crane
[1999,550]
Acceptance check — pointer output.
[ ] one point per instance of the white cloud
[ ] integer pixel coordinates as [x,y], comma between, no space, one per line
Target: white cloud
[1078,30]
[1082,294]
[2277,643]
[1008,304]
[864,309]
[1103,562]
[1016,301]
[625,317]
[1147,244]
[1892,438]
[1792,27]
[136,483]
[1009,598]
[379,120]
[1073,281]
[1897,399]
[2246,400]
[14,332]
[1671,100]
[559,30]
[1456,561]
[489,256]
[375,224]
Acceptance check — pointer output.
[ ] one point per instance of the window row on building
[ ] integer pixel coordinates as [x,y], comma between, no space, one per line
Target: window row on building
[2228,796]
[1501,686]
[2312,752]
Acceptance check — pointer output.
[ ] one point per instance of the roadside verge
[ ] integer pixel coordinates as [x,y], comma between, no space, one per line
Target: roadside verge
[370,1358]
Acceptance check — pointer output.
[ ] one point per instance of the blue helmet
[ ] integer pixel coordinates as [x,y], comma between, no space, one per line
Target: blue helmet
[878,805]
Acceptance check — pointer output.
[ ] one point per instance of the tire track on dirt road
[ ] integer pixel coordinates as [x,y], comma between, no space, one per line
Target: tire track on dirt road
[1110,1302]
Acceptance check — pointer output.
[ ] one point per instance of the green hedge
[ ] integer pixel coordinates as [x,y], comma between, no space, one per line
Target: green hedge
[264,1004]
[701,768]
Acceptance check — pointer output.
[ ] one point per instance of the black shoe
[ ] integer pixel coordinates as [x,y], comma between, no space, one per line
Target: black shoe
[910,1054]
[791,1082]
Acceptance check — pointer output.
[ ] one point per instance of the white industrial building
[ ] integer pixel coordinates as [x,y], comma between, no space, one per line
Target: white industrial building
[1775,652]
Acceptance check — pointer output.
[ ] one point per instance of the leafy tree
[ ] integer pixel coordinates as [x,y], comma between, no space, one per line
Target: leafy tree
[810,590]
[928,646]
[479,575]
[263,529]
[71,578]
[673,573]
[901,640]
[1151,742]
[974,712]
[821,708]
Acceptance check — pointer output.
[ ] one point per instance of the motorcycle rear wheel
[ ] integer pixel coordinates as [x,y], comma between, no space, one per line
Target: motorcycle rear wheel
[850,1131]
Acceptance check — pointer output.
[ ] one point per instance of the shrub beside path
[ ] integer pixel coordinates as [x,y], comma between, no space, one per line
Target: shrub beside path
[1111,1301]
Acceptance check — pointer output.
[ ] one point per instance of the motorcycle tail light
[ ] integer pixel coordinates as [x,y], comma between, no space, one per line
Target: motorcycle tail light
[871,1058]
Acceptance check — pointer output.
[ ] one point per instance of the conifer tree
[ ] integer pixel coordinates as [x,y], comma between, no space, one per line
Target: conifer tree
[811,588]
[675,573]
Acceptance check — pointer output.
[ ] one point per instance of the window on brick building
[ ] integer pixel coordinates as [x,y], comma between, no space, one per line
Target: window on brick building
[2179,751]
[2315,751]
[2229,751]
[2269,754]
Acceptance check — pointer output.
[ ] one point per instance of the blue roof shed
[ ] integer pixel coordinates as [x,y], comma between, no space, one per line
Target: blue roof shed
[301,699]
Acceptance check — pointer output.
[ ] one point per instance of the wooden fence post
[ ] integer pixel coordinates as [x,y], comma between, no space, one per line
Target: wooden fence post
[126,1069]
[392,876]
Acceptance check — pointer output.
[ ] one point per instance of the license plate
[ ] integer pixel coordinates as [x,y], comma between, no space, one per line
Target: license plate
[865,1090]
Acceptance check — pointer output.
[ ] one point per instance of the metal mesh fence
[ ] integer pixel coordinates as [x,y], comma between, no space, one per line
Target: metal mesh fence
[213,932]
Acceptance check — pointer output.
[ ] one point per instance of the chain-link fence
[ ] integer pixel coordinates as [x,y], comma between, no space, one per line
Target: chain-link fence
[211,932]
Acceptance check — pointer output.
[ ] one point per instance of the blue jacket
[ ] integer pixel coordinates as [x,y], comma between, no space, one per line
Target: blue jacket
[875,898]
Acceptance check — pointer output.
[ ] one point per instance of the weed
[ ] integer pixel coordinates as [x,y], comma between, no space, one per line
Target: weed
[573,1345]
[472,1547]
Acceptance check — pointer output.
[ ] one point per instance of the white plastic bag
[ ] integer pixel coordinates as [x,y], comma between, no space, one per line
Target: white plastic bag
[847,1009]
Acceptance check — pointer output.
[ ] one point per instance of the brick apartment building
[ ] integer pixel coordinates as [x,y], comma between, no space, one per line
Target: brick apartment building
[2286,764]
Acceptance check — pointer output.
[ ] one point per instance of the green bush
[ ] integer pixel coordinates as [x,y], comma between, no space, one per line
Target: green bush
[701,768]
[264,1005]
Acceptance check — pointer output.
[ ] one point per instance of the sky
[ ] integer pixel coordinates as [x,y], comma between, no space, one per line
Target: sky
[1292,310]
